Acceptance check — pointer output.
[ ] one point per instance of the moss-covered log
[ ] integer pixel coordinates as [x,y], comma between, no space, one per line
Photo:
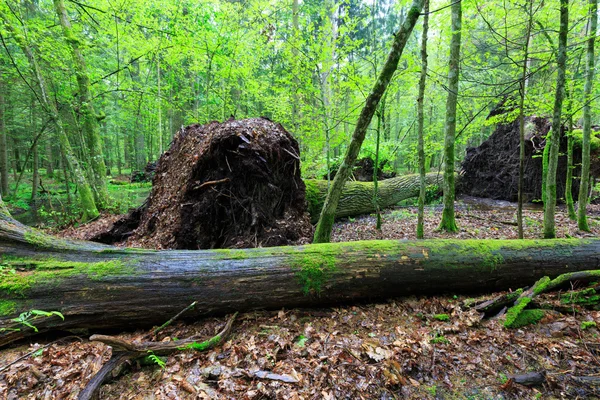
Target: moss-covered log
[357,197]
[96,286]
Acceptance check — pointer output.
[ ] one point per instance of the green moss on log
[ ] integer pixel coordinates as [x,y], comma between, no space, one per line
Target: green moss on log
[31,272]
[513,313]
[7,307]
[586,297]
[314,270]
[201,346]
[527,317]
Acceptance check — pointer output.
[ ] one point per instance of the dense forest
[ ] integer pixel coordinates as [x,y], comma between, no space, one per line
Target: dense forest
[259,131]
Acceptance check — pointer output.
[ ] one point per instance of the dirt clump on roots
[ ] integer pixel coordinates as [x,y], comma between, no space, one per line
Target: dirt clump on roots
[492,169]
[234,184]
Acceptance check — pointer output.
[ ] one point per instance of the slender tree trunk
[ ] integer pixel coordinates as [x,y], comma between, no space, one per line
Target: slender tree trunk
[296,87]
[570,144]
[159,100]
[35,157]
[86,197]
[420,120]
[448,222]
[325,224]
[585,147]
[49,159]
[3,146]
[35,180]
[569,178]
[376,169]
[522,90]
[88,114]
[561,59]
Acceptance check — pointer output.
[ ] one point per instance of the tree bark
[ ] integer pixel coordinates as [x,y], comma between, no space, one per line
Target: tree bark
[420,119]
[96,286]
[448,222]
[325,224]
[3,147]
[561,60]
[585,146]
[357,197]
[522,93]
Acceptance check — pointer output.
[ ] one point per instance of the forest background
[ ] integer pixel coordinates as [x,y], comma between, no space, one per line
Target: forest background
[123,76]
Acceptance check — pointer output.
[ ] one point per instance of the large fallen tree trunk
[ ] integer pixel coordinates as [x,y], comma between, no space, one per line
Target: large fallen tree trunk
[357,197]
[96,286]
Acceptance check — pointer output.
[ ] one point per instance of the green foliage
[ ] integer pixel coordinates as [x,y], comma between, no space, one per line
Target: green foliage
[442,317]
[156,359]
[587,325]
[27,318]
[183,63]
[439,339]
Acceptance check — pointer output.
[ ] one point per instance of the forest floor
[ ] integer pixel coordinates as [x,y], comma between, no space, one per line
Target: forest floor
[415,348]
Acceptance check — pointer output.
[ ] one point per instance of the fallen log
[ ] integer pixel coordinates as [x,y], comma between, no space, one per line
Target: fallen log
[357,197]
[96,286]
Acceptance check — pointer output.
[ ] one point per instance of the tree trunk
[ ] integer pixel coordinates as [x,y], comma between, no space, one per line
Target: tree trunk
[420,119]
[357,197]
[96,286]
[585,146]
[448,222]
[89,119]
[49,158]
[3,147]
[328,213]
[561,60]
[522,92]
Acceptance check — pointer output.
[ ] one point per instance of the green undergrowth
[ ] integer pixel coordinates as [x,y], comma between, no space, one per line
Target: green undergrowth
[442,317]
[587,325]
[29,273]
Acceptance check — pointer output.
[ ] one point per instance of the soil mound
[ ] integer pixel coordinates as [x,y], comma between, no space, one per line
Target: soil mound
[492,169]
[234,184]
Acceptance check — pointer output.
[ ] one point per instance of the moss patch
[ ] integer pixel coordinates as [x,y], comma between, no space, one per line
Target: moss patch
[587,325]
[442,317]
[513,313]
[231,254]
[314,198]
[314,270]
[586,297]
[7,308]
[32,272]
[527,317]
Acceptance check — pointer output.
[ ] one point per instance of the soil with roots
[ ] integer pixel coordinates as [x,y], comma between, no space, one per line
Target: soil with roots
[492,169]
[234,184]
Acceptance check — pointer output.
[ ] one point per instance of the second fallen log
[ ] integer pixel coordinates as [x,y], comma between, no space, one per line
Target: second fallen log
[357,197]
